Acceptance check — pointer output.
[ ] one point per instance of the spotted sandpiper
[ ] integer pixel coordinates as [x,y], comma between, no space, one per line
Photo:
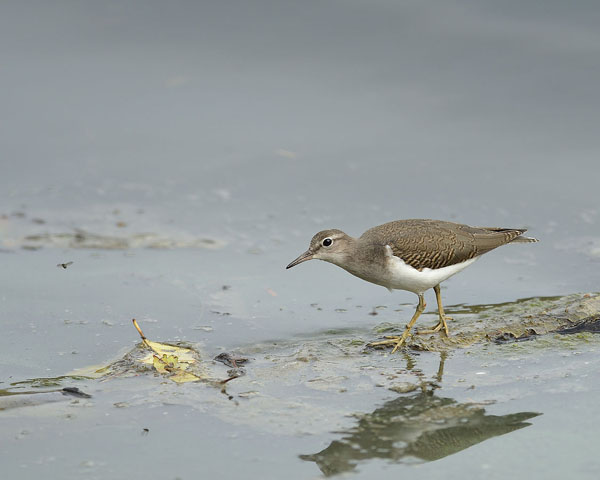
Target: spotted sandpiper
[413,255]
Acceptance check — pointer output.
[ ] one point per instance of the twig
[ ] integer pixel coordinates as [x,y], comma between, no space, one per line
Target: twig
[137,327]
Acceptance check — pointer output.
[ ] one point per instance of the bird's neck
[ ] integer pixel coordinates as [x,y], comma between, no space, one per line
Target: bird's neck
[360,259]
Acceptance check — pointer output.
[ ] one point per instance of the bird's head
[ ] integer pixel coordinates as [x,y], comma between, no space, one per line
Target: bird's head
[329,245]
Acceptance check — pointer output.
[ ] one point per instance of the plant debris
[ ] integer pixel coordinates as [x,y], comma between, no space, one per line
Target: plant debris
[230,360]
[590,324]
[75,392]
[508,337]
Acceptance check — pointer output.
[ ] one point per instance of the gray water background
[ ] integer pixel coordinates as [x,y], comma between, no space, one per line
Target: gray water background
[256,124]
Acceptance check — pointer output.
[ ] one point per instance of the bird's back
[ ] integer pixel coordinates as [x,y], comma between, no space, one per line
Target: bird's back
[434,244]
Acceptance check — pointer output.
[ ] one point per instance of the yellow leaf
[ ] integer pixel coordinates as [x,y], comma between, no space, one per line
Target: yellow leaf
[183,355]
[159,365]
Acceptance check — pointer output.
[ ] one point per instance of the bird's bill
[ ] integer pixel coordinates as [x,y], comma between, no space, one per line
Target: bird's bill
[302,258]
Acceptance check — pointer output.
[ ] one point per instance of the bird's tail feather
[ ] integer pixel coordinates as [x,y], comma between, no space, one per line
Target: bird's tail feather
[522,239]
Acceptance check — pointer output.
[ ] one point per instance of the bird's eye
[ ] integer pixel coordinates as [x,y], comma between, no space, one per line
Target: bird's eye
[327,242]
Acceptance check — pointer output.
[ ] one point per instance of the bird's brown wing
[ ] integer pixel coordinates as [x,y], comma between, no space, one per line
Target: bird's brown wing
[435,243]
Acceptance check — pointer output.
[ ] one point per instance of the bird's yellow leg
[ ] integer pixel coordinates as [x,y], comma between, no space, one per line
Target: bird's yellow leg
[443,316]
[396,341]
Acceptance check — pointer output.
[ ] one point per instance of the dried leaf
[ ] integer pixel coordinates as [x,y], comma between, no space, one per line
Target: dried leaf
[170,360]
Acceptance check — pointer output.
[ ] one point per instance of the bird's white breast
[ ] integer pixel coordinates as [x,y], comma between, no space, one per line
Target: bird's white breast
[402,276]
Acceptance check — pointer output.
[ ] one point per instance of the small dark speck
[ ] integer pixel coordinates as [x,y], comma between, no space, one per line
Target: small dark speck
[373,312]
[145,431]
[39,221]
[225,287]
[64,265]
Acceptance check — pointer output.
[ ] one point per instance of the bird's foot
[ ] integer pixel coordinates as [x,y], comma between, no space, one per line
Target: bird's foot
[392,340]
[441,324]
[435,329]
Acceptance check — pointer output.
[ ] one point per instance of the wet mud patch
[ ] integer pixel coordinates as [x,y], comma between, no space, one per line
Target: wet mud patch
[368,404]
[275,374]
[89,240]
[114,230]
[524,319]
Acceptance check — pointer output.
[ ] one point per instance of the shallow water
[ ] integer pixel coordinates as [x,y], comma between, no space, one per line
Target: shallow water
[181,157]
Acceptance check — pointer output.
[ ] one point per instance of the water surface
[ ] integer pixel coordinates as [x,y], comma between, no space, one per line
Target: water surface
[181,155]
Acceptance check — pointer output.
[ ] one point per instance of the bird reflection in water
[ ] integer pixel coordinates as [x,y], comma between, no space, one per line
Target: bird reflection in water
[415,428]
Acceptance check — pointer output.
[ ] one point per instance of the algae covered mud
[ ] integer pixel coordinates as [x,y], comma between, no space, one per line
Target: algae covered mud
[337,406]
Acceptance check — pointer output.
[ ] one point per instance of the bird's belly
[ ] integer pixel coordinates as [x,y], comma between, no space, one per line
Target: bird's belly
[401,276]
